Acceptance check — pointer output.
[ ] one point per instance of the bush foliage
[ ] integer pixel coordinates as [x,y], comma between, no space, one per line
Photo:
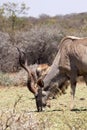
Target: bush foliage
[38,37]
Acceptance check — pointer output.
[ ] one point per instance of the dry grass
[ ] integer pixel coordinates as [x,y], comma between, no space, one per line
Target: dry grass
[18,111]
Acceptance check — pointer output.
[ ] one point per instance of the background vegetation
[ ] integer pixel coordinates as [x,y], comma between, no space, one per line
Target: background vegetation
[38,37]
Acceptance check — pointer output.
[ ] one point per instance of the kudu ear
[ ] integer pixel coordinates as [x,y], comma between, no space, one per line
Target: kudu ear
[40,83]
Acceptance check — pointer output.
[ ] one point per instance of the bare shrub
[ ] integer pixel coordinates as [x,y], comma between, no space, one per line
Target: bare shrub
[8,54]
[40,45]
[43,44]
[11,119]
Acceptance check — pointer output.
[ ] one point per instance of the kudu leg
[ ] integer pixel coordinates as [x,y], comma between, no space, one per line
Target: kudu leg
[73,82]
[73,88]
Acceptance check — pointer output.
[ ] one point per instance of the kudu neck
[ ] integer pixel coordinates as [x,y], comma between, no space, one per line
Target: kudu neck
[53,72]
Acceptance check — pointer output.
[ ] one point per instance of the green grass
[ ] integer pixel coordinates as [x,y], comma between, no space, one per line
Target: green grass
[58,117]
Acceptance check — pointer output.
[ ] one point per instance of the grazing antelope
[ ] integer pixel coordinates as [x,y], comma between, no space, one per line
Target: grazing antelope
[69,63]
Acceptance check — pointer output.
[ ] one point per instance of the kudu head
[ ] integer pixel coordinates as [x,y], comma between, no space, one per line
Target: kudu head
[34,85]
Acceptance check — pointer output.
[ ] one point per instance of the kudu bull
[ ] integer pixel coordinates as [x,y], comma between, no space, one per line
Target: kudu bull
[69,63]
